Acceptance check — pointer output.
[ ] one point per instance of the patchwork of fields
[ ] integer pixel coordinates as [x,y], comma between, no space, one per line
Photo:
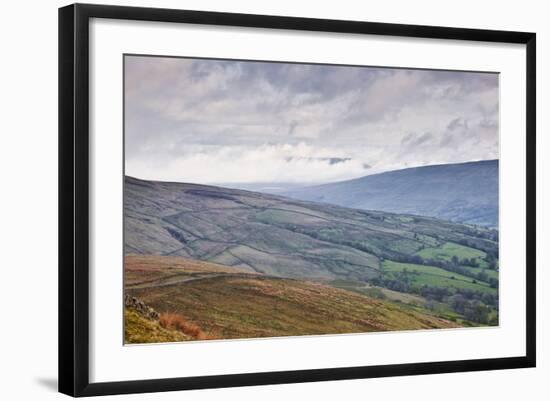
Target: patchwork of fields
[433,276]
[224,258]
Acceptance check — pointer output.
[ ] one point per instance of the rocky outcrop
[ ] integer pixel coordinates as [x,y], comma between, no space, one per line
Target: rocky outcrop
[140,307]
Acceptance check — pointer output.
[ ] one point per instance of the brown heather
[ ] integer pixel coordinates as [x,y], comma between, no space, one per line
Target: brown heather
[176,321]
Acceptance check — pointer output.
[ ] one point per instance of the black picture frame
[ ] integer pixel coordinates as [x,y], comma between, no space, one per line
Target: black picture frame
[74,198]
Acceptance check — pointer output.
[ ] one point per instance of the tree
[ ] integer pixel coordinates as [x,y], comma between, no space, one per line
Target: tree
[476,312]
[431,305]
[454,260]
[482,276]
[458,303]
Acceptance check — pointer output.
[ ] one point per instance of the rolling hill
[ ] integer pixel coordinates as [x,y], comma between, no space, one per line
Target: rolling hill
[223,302]
[226,263]
[283,237]
[464,192]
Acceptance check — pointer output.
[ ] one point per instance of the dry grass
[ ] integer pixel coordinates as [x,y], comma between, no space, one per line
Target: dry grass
[225,306]
[143,269]
[175,321]
[154,263]
[140,330]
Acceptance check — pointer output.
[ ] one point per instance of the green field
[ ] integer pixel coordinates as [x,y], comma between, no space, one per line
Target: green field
[413,302]
[446,252]
[284,238]
[475,270]
[450,249]
[433,276]
[379,292]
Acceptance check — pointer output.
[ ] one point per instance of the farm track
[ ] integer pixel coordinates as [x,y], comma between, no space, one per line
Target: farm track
[174,281]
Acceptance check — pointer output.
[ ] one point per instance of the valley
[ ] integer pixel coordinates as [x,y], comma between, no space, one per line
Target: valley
[209,253]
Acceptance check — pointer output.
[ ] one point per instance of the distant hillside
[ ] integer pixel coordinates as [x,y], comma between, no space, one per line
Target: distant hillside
[224,303]
[279,236]
[192,244]
[465,192]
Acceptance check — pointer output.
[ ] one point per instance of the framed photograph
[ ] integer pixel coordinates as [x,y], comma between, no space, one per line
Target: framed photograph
[276,199]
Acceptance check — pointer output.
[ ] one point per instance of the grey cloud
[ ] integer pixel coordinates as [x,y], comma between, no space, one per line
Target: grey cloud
[488,123]
[292,127]
[330,160]
[406,139]
[414,140]
[336,160]
[377,117]
[457,123]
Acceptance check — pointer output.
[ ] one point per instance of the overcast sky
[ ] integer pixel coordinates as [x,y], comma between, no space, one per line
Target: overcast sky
[215,121]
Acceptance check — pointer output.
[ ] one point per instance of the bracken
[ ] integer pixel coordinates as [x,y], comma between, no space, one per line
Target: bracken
[178,322]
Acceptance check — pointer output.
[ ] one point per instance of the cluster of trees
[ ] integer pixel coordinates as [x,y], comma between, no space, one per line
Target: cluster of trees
[491,234]
[442,294]
[491,259]
[414,259]
[485,297]
[439,294]
[474,311]
[455,265]
[481,275]
[392,284]
[475,306]
[402,282]
[472,262]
